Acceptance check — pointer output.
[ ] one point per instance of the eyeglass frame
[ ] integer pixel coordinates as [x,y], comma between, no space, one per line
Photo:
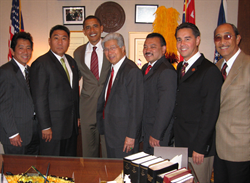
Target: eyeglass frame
[225,37]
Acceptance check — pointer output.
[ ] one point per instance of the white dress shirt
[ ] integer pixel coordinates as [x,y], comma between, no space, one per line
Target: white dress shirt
[230,62]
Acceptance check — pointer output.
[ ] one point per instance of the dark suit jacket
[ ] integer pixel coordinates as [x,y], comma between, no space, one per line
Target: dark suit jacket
[123,111]
[159,89]
[56,103]
[16,105]
[197,107]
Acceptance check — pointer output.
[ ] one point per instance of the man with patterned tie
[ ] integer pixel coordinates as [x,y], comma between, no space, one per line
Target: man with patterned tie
[197,102]
[160,82]
[232,161]
[55,91]
[93,68]
[18,126]
[120,105]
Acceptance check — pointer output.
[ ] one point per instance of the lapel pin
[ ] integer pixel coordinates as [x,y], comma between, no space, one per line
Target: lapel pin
[73,66]
[193,69]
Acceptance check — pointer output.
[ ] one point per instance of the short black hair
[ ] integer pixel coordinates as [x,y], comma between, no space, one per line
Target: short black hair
[194,28]
[154,34]
[236,31]
[91,17]
[59,27]
[21,35]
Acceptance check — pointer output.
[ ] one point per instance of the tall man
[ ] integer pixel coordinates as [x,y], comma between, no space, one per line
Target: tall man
[160,82]
[93,68]
[54,87]
[120,105]
[197,102]
[18,127]
[232,161]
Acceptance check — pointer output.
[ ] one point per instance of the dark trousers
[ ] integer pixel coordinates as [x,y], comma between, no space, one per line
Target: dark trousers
[64,147]
[231,172]
[31,149]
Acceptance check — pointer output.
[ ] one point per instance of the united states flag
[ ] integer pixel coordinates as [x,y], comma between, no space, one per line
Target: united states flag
[16,22]
[221,20]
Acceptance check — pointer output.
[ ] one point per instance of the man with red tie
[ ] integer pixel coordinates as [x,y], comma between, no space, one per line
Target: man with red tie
[160,82]
[120,105]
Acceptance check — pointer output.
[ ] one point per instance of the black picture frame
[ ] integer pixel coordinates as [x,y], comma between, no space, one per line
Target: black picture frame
[73,15]
[144,13]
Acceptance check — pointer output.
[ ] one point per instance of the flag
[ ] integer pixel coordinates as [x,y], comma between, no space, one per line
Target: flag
[188,11]
[221,20]
[16,22]
[188,14]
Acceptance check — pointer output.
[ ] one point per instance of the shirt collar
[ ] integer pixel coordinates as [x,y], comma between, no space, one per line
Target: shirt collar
[58,57]
[22,67]
[118,64]
[98,46]
[231,60]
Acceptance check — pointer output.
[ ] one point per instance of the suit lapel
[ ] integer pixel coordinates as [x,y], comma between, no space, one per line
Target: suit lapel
[236,67]
[58,66]
[73,69]
[191,70]
[20,78]
[105,64]
[153,69]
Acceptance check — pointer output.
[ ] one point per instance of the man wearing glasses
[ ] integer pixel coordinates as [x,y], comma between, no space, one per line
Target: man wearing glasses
[232,161]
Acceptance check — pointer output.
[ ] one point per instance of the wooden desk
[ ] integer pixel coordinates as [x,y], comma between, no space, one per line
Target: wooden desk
[84,169]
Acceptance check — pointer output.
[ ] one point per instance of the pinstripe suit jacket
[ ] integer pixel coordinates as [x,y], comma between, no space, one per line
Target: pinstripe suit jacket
[16,105]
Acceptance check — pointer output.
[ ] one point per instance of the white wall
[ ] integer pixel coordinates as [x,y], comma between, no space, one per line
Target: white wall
[40,15]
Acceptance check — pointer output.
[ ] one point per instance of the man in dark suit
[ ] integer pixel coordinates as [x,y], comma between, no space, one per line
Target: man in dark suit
[91,85]
[160,82]
[232,160]
[54,87]
[18,127]
[120,105]
[197,102]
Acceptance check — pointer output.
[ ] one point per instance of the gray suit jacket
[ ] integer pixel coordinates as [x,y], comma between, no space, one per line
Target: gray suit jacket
[16,105]
[233,125]
[123,111]
[91,87]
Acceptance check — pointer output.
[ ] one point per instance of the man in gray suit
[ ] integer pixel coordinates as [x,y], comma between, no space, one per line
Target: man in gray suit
[120,105]
[93,81]
[232,161]
[18,127]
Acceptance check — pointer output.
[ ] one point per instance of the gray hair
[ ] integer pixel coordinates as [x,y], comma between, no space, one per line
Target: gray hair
[113,36]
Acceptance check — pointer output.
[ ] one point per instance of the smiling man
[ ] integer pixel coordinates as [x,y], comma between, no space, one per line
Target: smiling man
[119,109]
[18,127]
[55,91]
[93,68]
[160,82]
[232,161]
[197,102]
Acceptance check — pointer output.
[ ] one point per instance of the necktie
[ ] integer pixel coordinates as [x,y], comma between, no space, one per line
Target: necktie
[183,69]
[223,71]
[65,68]
[148,69]
[109,88]
[27,78]
[94,64]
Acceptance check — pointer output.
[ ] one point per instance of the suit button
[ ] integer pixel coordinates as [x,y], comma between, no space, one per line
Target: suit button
[178,90]
[176,104]
[175,117]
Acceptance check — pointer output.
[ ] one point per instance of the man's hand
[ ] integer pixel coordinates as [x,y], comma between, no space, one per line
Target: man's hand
[78,122]
[16,141]
[47,135]
[128,144]
[197,158]
[153,142]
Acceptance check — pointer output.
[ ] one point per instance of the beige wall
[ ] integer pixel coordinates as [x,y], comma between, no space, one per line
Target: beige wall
[40,15]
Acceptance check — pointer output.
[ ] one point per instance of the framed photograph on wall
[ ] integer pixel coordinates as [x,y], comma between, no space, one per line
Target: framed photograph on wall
[73,15]
[144,13]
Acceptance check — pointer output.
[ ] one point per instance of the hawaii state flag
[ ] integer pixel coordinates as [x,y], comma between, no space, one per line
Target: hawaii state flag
[188,14]
[16,22]
[188,11]
[221,20]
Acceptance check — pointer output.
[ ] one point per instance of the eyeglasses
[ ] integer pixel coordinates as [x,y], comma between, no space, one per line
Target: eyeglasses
[225,37]
[112,48]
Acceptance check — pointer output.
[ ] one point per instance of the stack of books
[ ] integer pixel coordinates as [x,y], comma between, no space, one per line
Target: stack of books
[144,168]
